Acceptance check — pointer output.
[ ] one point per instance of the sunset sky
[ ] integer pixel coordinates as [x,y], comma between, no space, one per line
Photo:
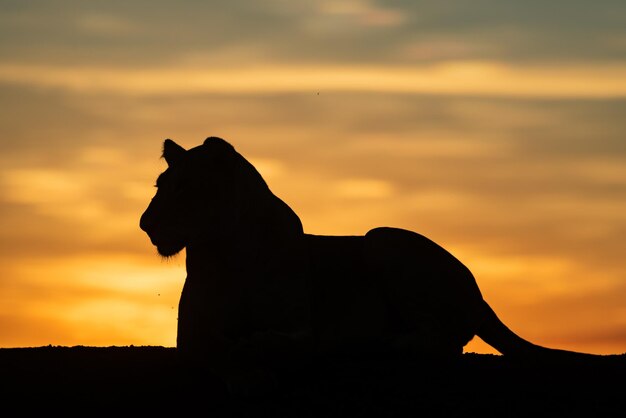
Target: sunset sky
[496,128]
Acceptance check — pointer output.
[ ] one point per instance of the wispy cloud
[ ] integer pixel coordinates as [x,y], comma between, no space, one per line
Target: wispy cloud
[106,25]
[458,78]
[346,32]
[360,13]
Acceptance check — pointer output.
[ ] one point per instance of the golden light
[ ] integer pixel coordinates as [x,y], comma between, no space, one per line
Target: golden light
[450,78]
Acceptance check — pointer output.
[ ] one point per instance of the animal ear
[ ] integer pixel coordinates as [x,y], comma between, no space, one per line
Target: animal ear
[217,144]
[172,152]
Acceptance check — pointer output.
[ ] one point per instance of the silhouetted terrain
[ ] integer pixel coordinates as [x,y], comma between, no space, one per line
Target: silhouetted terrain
[120,380]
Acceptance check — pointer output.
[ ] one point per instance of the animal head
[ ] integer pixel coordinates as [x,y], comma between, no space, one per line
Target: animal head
[203,192]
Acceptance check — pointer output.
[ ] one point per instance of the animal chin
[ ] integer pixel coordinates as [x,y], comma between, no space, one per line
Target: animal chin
[169,249]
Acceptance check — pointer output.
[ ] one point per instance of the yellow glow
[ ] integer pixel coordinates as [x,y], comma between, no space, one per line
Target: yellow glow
[113,300]
[268,168]
[461,77]
[41,186]
[362,188]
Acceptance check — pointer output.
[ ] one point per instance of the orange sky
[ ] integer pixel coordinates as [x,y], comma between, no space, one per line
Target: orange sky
[500,136]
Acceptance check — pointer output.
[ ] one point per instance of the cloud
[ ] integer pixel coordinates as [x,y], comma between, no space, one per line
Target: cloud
[54,192]
[106,25]
[446,48]
[90,203]
[84,191]
[296,32]
[357,12]
[459,78]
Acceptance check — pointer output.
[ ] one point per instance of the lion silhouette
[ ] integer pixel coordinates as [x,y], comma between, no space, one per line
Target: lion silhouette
[259,289]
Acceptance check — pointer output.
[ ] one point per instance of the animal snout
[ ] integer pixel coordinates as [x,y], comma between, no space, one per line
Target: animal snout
[143,223]
[146,223]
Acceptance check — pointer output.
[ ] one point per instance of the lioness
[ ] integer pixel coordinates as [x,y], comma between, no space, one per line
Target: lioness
[259,289]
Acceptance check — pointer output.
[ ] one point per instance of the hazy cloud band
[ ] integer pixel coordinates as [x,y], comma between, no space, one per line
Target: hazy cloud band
[453,78]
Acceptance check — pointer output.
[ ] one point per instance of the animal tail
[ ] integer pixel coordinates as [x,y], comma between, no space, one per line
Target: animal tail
[495,333]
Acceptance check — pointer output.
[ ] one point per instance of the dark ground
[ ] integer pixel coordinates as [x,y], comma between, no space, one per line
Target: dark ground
[96,381]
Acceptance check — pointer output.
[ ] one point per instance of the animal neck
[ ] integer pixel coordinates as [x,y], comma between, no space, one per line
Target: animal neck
[202,258]
[254,234]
